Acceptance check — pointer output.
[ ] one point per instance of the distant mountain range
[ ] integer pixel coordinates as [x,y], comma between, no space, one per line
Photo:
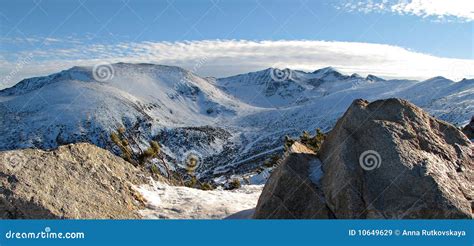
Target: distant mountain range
[233,122]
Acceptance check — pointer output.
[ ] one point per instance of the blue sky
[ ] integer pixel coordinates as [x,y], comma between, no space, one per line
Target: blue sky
[45,32]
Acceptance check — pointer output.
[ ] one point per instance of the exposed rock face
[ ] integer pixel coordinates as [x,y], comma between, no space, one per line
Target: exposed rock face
[425,166]
[293,190]
[74,181]
[469,129]
[386,159]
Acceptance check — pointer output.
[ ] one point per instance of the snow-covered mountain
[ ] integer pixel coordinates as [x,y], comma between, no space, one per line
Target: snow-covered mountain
[233,122]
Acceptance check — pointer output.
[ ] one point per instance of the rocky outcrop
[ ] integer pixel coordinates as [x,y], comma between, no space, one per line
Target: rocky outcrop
[390,159]
[71,182]
[294,189]
[469,129]
[386,159]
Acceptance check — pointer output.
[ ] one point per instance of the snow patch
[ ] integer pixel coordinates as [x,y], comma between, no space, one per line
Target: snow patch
[177,202]
[149,193]
[261,178]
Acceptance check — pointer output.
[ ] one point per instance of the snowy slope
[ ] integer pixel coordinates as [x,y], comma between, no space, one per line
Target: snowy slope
[327,95]
[177,202]
[71,106]
[233,123]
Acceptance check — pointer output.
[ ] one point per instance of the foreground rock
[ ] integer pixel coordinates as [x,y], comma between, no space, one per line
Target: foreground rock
[469,129]
[74,181]
[386,159]
[294,188]
[420,168]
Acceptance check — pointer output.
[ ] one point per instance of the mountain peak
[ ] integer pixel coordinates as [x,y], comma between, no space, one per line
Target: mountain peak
[437,78]
[355,75]
[329,73]
[373,78]
[325,70]
[31,84]
[88,74]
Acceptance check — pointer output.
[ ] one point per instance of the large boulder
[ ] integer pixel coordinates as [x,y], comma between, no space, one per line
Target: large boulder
[385,159]
[72,182]
[390,159]
[293,190]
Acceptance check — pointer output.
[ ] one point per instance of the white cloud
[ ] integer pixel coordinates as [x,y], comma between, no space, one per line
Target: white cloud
[462,10]
[227,57]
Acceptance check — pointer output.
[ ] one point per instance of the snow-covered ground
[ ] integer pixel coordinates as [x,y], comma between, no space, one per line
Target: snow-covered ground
[178,202]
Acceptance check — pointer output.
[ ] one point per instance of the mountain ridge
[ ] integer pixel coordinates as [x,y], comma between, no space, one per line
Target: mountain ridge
[226,120]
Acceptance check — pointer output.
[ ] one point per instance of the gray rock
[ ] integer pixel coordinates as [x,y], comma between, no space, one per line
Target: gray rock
[73,182]
[415,166]
[469,129]
[386,159]
[290,193]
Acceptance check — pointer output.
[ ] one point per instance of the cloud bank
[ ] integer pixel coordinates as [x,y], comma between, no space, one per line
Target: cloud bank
[221,58]
[461,10]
